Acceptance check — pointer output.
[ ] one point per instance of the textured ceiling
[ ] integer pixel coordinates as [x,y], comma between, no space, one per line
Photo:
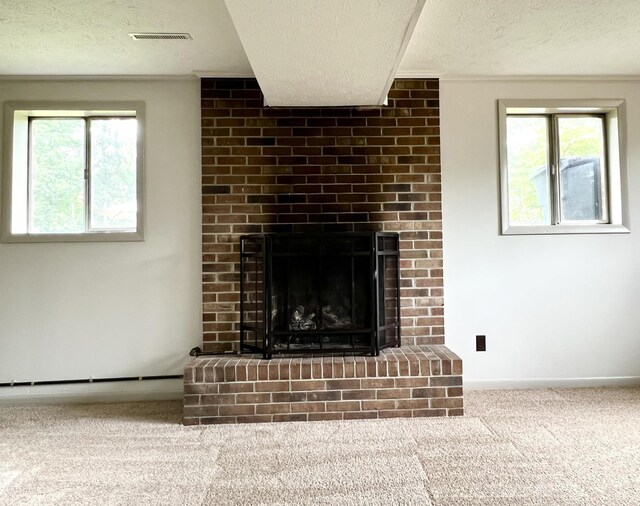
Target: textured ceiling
[452,37]
[83,37]
[327,52]
[531,37]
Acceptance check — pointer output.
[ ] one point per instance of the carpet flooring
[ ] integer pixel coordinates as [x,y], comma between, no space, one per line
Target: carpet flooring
[513,447]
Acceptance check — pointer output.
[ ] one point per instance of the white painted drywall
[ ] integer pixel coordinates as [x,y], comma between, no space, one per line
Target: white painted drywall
[72,311]
[555,310]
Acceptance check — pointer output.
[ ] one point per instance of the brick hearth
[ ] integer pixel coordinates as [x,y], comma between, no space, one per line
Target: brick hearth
[410,381]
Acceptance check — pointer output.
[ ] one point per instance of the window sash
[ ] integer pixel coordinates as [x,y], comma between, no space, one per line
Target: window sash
[604,169]
[548,198]
[88,228]
[554,166]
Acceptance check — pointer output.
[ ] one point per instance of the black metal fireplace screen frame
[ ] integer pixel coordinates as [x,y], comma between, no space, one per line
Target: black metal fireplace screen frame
[264,285]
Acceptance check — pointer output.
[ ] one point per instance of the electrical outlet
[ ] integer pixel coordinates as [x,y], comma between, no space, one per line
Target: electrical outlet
[481,343]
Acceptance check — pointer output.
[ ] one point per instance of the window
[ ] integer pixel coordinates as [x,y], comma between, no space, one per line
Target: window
[562,166]
[72,172]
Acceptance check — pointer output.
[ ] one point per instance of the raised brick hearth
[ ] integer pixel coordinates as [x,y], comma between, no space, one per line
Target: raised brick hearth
[410,381]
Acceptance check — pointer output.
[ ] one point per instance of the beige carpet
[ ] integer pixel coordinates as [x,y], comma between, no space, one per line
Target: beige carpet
[524,447]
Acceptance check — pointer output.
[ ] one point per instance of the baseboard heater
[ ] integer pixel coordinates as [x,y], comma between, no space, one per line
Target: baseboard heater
[88,380]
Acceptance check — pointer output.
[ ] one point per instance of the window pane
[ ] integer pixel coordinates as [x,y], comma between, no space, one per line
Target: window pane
[57,194]
[113,174]
[581,168]
[528,170]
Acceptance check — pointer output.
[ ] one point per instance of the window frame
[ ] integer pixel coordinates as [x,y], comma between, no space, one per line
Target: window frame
[17,132]
[613,112]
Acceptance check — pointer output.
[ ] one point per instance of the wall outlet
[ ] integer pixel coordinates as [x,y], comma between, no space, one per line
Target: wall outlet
[481,343]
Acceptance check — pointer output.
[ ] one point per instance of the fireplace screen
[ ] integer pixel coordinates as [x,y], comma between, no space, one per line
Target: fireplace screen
[329,293]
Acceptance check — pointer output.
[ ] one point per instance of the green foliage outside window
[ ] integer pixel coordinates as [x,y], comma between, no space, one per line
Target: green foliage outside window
[113,173]
[57,176]
[58,194]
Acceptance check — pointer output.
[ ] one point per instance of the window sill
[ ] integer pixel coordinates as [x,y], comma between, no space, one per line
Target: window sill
[88,237]
[565,229]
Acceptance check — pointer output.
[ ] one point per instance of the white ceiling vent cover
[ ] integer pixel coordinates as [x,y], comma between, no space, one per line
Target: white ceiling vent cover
[160,36]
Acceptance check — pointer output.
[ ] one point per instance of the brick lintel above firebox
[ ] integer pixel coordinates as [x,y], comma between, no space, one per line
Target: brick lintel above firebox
[411,381]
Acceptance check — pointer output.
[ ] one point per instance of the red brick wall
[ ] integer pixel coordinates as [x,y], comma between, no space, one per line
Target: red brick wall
[301,169]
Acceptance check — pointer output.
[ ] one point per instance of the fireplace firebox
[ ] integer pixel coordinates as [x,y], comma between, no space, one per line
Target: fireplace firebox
[319,293]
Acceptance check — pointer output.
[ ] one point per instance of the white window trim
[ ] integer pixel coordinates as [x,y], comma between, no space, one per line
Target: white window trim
[615,117]
[16,115]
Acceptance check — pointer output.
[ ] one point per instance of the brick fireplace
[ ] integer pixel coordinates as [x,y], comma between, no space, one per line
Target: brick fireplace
[309,170]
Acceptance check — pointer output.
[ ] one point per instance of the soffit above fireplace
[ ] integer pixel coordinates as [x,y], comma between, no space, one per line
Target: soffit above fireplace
[325,52]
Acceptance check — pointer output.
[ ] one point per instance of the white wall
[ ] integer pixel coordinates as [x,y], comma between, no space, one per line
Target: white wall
[556,310]
[72,311]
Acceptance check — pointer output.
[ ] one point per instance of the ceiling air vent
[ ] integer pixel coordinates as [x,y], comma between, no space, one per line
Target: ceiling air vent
[160,36]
